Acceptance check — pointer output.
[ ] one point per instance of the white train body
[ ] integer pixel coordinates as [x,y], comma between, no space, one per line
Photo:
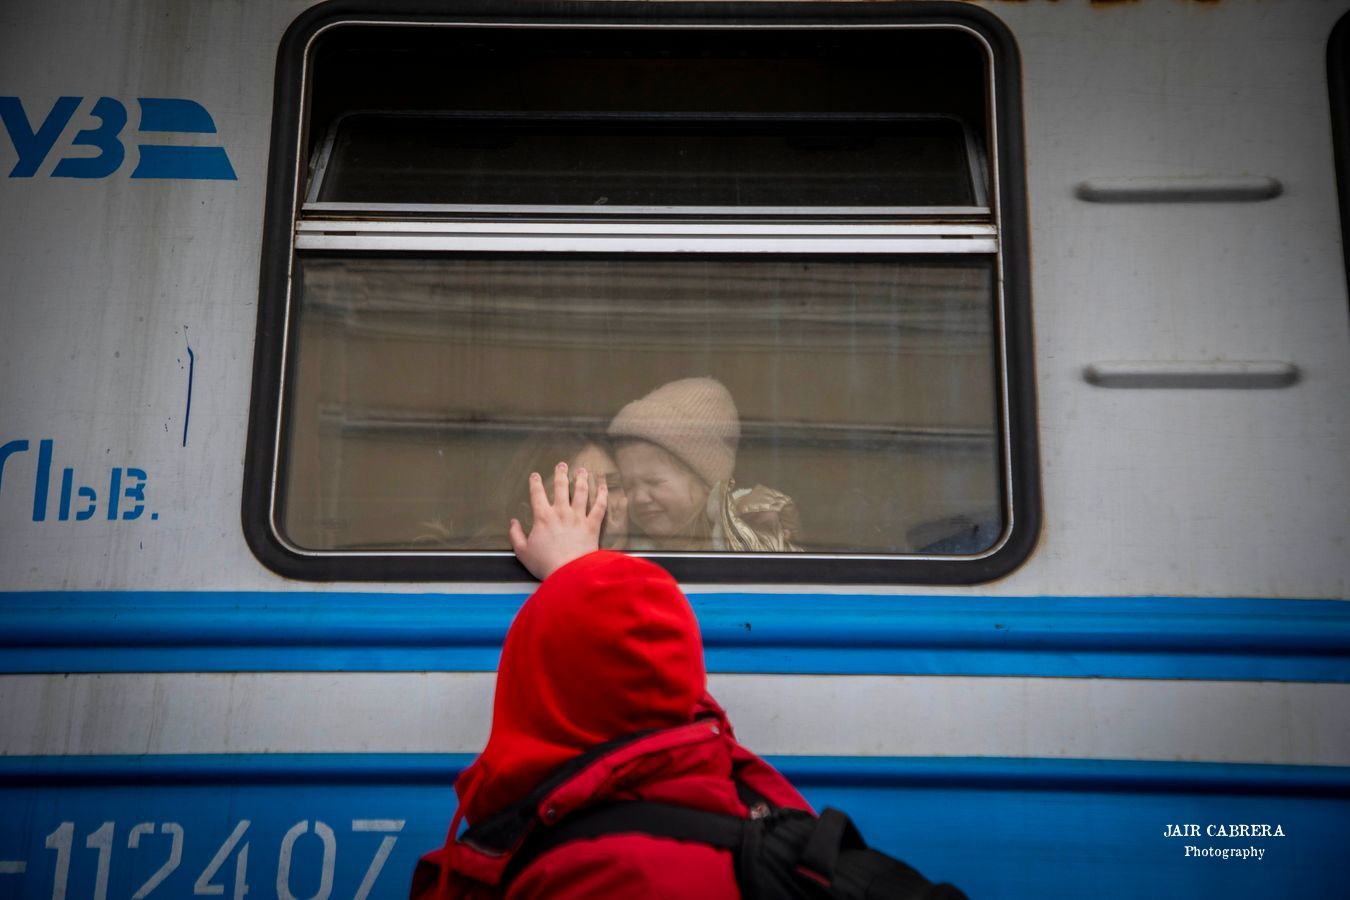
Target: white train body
[1172,649]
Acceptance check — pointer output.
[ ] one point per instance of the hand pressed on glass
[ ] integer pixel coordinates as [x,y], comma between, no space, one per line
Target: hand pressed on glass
[563,530]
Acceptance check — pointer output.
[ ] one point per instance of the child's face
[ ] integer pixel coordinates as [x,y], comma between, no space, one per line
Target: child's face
[665,497]
[601,468]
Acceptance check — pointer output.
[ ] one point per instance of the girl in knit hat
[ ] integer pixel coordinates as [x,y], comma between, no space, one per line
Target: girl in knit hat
[676,450]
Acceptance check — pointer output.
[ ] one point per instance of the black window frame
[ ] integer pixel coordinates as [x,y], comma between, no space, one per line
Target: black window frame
[1338,94]
[1020,485]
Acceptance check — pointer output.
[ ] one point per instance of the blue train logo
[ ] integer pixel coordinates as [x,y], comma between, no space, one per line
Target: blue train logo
[159,116]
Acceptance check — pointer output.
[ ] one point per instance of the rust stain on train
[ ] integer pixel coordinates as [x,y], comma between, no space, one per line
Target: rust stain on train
[1123,2]
[1099,2]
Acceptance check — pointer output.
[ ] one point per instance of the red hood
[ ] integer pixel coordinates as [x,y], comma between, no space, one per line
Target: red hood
[607,645]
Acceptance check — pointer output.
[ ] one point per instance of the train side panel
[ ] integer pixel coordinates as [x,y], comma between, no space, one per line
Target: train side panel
[178,718]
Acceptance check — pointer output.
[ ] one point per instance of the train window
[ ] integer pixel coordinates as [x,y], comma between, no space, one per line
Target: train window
[765,280]
[685,161]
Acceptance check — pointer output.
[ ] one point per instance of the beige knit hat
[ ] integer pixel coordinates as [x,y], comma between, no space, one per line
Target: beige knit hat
[693,418]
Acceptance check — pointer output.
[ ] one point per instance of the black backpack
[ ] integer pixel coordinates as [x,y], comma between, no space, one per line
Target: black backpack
[781,854]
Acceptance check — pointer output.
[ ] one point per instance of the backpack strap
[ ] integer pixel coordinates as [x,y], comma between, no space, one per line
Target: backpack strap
[503,830]
[827,851]
[630,817]
[834,832]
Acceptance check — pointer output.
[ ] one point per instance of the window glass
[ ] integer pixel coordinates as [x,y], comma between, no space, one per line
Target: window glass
[765,276]
[859,412]
[663,160]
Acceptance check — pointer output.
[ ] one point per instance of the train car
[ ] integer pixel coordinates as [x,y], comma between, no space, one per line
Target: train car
[1033,317]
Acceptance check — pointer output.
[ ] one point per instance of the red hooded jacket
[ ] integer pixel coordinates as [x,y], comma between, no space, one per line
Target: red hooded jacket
[606,647]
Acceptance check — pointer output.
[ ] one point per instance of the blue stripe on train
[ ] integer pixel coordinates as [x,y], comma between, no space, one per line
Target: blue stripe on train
[352,825]
[1115,637]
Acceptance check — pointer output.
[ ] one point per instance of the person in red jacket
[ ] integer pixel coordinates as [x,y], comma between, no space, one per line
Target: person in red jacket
[606,648]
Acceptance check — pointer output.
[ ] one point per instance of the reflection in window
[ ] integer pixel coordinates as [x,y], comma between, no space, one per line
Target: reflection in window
[633,161]
[761,280]
[827,404]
